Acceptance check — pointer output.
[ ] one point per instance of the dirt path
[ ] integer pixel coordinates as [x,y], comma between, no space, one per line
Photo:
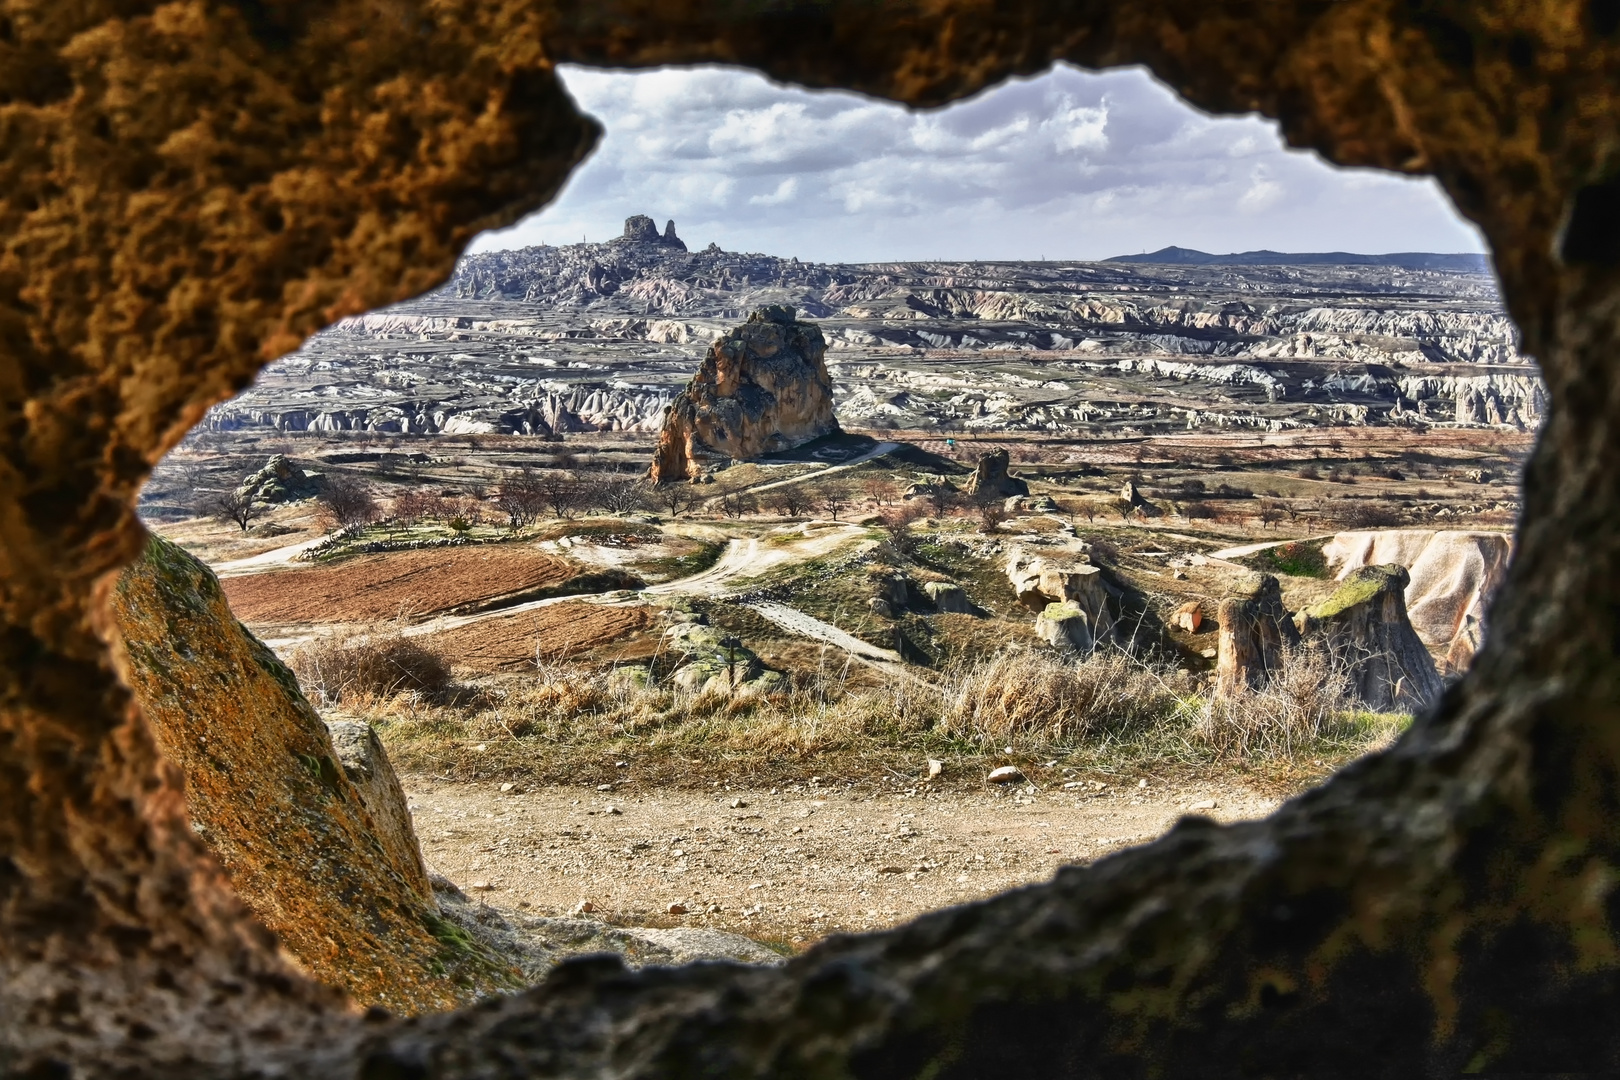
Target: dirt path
[281,556]
[799,624]
[791,866]
[821,474]
[752,556]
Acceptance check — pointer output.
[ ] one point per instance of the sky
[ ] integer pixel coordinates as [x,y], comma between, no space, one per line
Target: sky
[1067,165]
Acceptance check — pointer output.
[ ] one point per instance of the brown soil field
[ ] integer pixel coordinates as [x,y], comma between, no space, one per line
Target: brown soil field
[507,642]
[411,584]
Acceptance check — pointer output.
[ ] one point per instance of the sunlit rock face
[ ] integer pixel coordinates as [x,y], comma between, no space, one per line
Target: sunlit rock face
[315,837]
[762,389]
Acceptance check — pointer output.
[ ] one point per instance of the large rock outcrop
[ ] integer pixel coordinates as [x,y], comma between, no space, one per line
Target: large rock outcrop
[1454,574]
[1364,627]
[324,856]
[762,389]
[191,189]
[641,229]
[1255,636]
[990,478]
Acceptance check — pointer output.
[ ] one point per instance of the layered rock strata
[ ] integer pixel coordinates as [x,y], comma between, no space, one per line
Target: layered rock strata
[762,389]
[193,189]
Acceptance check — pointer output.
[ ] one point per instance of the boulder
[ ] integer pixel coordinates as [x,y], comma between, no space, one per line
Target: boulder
[1255,632]
[281,480]
[714,660]
[366,764]
[990,476]
[1188,617]
[1454,574]
[1365,628]
[1040,580]
[329,864]
[763,388]
[1066,626]
[881,607]
[949,598]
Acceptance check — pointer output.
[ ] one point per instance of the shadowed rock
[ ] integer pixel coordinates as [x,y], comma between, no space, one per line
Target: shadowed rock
[1365,628]
[990,477]
[193,189]
[762,389]
[1255,633]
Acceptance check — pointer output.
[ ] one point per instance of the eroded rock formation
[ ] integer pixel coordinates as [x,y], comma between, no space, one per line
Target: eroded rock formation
[193,189]
[330,865]
[1454,575]
[762,389]
[991,480]
[1365,628]
[1255,634]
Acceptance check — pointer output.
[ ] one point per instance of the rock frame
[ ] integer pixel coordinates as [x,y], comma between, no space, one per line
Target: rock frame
[188,190]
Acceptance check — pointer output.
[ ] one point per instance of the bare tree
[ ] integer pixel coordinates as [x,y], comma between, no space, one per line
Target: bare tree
[992,512]
[941,498]
[620,495]
[1125,509]
[791,500]
[880,490]
[735,502]
[897,522]
[675,497]
[1271,512]
[349,502]
[237,507]
[834,497]
[561,493]
[520,498]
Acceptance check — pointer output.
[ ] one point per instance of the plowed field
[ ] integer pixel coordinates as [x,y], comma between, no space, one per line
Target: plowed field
[557,632]
[386,586]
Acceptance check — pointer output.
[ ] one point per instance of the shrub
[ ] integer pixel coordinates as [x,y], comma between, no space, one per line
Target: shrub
[1306,701]
[367,668]
[1047,699]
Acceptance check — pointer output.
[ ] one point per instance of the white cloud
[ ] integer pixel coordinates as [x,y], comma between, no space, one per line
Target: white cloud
[1068,165]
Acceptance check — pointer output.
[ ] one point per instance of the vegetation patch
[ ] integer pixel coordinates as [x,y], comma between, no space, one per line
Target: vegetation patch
[1300,558]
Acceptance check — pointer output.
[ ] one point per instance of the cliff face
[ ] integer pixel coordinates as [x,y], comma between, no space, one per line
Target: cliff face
[762,389]
[334,870]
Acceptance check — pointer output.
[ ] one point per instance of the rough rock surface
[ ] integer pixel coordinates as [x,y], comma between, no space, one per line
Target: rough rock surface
[340,884]
[188,190]
[990,477]
[762,389]
[1058,578]
[281,480]
[1255,633]
[1065,625]
[1454,575]
[367,767]
[1364,626]
[950,598]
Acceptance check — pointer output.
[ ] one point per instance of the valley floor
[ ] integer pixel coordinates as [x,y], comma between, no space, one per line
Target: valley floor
[786,867]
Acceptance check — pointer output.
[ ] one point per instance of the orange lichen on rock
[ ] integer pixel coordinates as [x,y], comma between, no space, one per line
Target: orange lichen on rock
[269,796]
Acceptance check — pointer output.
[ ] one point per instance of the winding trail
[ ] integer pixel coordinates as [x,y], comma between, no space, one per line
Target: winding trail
[877,451]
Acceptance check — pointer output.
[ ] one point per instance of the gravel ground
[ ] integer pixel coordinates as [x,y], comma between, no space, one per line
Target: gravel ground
[786,865]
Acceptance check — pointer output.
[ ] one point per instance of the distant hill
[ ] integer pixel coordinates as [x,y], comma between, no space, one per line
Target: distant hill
[1407,260]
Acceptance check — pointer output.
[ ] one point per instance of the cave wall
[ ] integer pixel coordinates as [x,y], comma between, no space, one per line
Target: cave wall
[187,189]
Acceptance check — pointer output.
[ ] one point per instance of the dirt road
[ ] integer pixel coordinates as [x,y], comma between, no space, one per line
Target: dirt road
[790,865]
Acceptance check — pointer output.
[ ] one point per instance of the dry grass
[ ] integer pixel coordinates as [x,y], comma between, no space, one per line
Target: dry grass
[1045,700]
[1305,706]
[364,670]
